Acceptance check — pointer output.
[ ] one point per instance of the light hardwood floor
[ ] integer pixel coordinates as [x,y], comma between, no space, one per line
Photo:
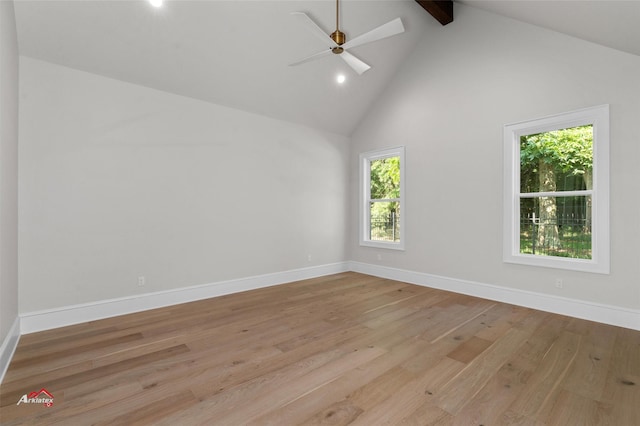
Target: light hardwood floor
[343,349]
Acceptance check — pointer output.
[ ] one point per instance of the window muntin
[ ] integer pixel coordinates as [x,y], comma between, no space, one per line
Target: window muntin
[382,187]
[556,191]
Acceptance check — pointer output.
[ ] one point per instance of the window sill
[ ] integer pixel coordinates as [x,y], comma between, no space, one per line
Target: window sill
[581,265]
[383,244]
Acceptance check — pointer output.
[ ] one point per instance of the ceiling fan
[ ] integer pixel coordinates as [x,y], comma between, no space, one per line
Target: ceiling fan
[337,41]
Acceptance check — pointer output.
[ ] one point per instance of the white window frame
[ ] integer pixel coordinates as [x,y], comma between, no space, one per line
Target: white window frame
[365,198]
[597,116]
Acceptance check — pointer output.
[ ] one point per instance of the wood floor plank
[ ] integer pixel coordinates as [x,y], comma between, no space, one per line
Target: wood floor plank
[469,350]
[305,385]
[410,397]
[493,400]
[339,414]
[428,414]
[90,402]
[571,408]
[622,387]
[39,364]
[290,384]
[152,412]
[447,321]
[464,386]
[90,375]
[382,371]
[343,349]
[589,373]
[545,383]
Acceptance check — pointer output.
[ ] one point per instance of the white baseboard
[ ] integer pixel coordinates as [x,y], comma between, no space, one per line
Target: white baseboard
[606,314]
[8,347]
[48,319]
[53,318]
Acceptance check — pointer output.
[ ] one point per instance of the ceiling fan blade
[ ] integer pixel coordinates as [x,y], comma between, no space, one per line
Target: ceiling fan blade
[311,58]
[389,29]
[355,63]
[313,28]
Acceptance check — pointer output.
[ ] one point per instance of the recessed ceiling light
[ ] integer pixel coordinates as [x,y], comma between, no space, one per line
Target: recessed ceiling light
[156,3]
[341,78]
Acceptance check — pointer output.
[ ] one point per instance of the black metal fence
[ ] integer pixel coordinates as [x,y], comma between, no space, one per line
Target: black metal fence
[563,235]
[385,227]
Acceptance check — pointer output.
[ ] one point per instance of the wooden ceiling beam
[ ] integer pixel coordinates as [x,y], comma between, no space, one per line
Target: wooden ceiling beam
[442,10]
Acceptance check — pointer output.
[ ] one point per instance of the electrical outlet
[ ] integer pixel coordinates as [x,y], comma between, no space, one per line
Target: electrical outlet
[559,283]
[141,281]
[309,258]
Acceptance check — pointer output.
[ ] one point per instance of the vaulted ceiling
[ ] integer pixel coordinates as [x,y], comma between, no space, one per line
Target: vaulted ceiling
[611,23]
[236,53]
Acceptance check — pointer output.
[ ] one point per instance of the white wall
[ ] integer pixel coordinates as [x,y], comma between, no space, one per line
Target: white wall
[448,106]
[118,181]
[8,173]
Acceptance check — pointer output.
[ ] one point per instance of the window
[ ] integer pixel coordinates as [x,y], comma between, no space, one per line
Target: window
[556,191]
[382,195]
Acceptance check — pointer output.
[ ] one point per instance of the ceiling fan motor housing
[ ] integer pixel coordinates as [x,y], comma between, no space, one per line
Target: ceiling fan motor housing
[340,38]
